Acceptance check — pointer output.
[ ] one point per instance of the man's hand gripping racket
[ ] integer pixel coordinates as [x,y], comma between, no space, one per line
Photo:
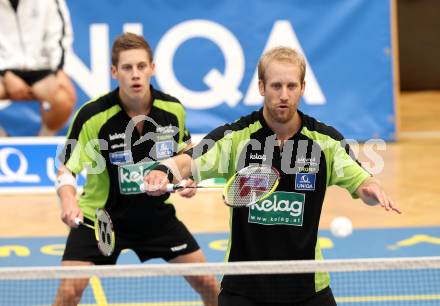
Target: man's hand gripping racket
[246,187]
[104,234]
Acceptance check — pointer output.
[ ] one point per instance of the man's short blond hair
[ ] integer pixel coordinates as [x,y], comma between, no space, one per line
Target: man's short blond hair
[281,54]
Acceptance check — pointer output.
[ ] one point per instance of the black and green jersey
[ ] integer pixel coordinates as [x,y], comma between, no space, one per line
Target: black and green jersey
[103,141]
[285,225]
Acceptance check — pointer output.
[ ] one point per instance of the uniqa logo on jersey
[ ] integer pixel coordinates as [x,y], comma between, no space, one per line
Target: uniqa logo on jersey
[285,208]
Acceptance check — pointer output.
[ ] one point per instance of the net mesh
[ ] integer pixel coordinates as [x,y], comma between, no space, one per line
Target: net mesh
[250,185]
[392,281]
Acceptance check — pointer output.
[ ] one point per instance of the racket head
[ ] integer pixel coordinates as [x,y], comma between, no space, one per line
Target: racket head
[250,185]
[104,233]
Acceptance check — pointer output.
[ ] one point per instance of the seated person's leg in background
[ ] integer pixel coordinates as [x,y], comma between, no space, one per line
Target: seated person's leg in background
[54,89]
[2,89]
[15,88]
[58,91]
[2,96]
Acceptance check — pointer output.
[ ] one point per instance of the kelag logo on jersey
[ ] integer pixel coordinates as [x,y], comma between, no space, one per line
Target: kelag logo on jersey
[285,208]
[305,181]
[132,176]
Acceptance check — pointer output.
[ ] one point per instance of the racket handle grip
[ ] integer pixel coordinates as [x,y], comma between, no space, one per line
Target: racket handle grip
[172,187]
[78,221]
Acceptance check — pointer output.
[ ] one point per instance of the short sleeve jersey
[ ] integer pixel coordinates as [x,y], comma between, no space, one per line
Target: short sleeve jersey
[104,141]
[285,225]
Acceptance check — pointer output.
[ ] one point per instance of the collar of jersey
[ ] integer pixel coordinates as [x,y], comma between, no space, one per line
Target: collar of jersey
[268,131]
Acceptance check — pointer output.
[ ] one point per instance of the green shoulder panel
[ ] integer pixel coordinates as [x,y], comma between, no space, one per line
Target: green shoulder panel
[222,157]
[177,109]
[342,169]
[75,116]
[86,151]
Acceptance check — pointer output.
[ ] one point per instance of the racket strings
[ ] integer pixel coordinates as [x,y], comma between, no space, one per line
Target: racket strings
[106,239]
[250,185]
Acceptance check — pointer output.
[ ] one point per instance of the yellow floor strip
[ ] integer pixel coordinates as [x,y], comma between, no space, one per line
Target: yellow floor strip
[98,291]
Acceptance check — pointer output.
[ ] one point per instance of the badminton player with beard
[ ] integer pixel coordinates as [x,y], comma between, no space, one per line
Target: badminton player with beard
[309,155]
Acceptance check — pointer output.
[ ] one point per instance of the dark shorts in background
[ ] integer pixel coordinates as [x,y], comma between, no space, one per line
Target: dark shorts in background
[29,76]
[176,240]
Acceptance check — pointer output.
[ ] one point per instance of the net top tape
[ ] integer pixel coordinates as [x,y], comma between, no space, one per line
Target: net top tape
[232,268]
